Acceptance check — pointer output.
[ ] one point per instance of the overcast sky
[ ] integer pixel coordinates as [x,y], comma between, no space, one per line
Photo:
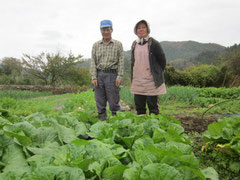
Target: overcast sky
[35,26]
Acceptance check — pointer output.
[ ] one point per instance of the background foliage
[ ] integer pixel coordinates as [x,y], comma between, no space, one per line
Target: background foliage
[189,63]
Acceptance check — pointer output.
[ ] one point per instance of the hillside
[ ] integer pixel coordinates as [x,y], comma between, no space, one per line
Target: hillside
[85,63]
[177,53]
[187,49]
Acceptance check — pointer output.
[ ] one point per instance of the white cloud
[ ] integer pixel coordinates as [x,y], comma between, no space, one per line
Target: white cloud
[51,35]
[31,27]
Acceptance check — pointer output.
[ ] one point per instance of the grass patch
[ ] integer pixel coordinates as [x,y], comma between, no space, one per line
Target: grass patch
[17,94]
[50,105]
[191,100]
[226,164]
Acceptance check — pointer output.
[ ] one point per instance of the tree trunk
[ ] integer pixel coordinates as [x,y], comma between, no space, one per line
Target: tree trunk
[234,80]
[225,76]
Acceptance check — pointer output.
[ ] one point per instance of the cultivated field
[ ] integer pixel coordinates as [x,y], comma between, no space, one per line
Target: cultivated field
[45,136]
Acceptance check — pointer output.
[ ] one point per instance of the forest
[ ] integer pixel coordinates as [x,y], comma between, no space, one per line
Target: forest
[188,64]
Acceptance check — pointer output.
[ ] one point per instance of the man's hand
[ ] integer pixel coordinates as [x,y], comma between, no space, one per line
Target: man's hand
[118,82]
[95,83]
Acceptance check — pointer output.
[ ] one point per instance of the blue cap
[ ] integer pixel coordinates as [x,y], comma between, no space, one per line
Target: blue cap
[105,23]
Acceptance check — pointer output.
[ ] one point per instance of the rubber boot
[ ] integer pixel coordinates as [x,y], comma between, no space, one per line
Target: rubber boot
[102,116]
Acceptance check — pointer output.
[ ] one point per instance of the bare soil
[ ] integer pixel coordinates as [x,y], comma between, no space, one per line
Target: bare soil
[193,123]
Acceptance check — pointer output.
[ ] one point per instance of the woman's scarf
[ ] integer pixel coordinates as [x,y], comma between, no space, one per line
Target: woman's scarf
[142,41]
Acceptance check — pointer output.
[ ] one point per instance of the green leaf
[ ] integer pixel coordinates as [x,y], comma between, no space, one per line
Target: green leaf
[166,119]
[173,135]
[177,127]
[117,149]
[158,135]
[84,164]
[80,129]
[101,130]
[235,145]
[19,137]
[26,127]
[184,148]
[4,122]
[235,166]
[210,173]
[158,152]
[141,143]
[44,135]
[48,149]
[99,150]
[40,160]
[61,158]
[114,172]
[37,119]
[191,173]
[133,172]
[189,160]
[121,123]
[5,140]
[4,112]
[227,133]
[144,157]
[160,171]
[177,156]
[14,160]
[126,142]
[214,131]
[65,134]
[148,126]
[97,167]
[57,172]
[80,142]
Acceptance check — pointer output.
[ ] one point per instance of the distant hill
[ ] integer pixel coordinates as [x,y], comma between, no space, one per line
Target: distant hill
[187,49]
[127,56]
[85,63]
[178,53]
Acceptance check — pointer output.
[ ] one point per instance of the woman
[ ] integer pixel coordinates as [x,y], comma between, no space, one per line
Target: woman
[147,70]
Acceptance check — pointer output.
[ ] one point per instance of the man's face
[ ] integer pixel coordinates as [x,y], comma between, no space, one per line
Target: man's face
[107,32]
[142,30]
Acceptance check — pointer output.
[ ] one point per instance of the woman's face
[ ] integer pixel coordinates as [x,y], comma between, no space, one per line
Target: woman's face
[142,30]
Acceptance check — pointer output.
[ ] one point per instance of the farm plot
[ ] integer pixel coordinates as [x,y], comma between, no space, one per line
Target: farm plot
[74,145]
[128,146]
[67,142]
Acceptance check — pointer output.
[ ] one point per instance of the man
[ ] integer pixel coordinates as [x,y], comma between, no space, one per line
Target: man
[107,70]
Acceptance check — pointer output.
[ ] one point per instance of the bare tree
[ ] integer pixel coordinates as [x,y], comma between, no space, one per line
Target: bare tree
[50,67]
